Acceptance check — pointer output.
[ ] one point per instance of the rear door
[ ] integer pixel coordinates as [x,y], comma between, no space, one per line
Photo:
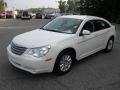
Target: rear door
[101,29]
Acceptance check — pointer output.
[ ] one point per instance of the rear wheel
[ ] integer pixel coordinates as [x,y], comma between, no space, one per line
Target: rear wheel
[110,44]
[64,63]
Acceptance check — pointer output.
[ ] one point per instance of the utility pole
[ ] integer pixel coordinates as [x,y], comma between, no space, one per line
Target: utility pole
[4,7]
[56,4]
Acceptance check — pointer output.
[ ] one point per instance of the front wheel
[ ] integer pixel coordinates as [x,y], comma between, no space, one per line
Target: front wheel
[110,44]
[64,63]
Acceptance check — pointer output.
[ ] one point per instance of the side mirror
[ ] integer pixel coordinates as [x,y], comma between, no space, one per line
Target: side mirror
[86,32]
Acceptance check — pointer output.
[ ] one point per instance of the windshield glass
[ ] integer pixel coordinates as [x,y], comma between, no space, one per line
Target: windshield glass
[25,13]
[63,25]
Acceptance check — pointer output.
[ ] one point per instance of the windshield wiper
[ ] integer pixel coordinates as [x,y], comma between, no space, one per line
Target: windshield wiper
[46,29]
[42,28]
[54,31]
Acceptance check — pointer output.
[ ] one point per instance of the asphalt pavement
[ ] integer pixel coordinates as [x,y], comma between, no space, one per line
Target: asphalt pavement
[100,71]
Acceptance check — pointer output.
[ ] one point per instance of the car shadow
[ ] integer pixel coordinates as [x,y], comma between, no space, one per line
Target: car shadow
[88,59]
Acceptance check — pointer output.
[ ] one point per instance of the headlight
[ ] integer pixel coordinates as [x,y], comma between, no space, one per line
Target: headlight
[39,52]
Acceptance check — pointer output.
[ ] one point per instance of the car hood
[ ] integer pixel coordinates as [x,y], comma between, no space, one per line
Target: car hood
[39,37]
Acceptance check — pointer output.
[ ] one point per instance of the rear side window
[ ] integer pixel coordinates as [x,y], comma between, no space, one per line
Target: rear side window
[25,13]
[100,25]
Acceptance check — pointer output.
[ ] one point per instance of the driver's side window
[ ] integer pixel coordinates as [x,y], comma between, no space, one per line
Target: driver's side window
[88,26]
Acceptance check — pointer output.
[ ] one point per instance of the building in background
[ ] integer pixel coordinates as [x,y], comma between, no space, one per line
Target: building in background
[50,10]
[9,14]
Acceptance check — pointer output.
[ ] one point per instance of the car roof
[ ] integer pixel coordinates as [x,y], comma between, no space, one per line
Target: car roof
[83,17]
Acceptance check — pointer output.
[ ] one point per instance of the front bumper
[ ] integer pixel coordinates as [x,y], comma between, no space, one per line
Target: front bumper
[23,17]
[30,63]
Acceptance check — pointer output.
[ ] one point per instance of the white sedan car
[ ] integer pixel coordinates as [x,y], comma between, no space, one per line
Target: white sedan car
[58,44]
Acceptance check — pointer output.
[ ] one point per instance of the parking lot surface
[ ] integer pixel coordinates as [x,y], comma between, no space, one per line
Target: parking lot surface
[100,71]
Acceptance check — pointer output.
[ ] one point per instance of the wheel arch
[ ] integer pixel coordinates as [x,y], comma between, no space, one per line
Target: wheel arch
[62,51]
[68,50]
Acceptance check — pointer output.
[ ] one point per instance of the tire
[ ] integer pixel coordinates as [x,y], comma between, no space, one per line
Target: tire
[109,45]
[64,63]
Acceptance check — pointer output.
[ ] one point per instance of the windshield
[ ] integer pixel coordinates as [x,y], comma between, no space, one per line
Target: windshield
[25,13]
[63,25]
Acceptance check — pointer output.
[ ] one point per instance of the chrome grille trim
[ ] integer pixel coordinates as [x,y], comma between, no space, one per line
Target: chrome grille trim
[16,49]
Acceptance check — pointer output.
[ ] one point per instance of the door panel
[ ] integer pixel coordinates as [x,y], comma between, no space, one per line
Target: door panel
[101,32]
[86,43]
[101,38]
[89,44]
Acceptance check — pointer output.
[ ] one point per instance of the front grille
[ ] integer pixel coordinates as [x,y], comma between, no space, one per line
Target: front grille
[18,50]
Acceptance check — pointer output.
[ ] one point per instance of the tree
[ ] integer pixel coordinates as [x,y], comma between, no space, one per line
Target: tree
[71,6]
[3,5]
[89,7]
[62,6]
[108,9]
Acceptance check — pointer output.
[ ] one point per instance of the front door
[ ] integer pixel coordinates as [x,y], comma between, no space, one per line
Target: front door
[86,43]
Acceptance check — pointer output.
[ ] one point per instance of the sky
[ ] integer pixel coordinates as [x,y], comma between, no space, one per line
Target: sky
[25,4]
